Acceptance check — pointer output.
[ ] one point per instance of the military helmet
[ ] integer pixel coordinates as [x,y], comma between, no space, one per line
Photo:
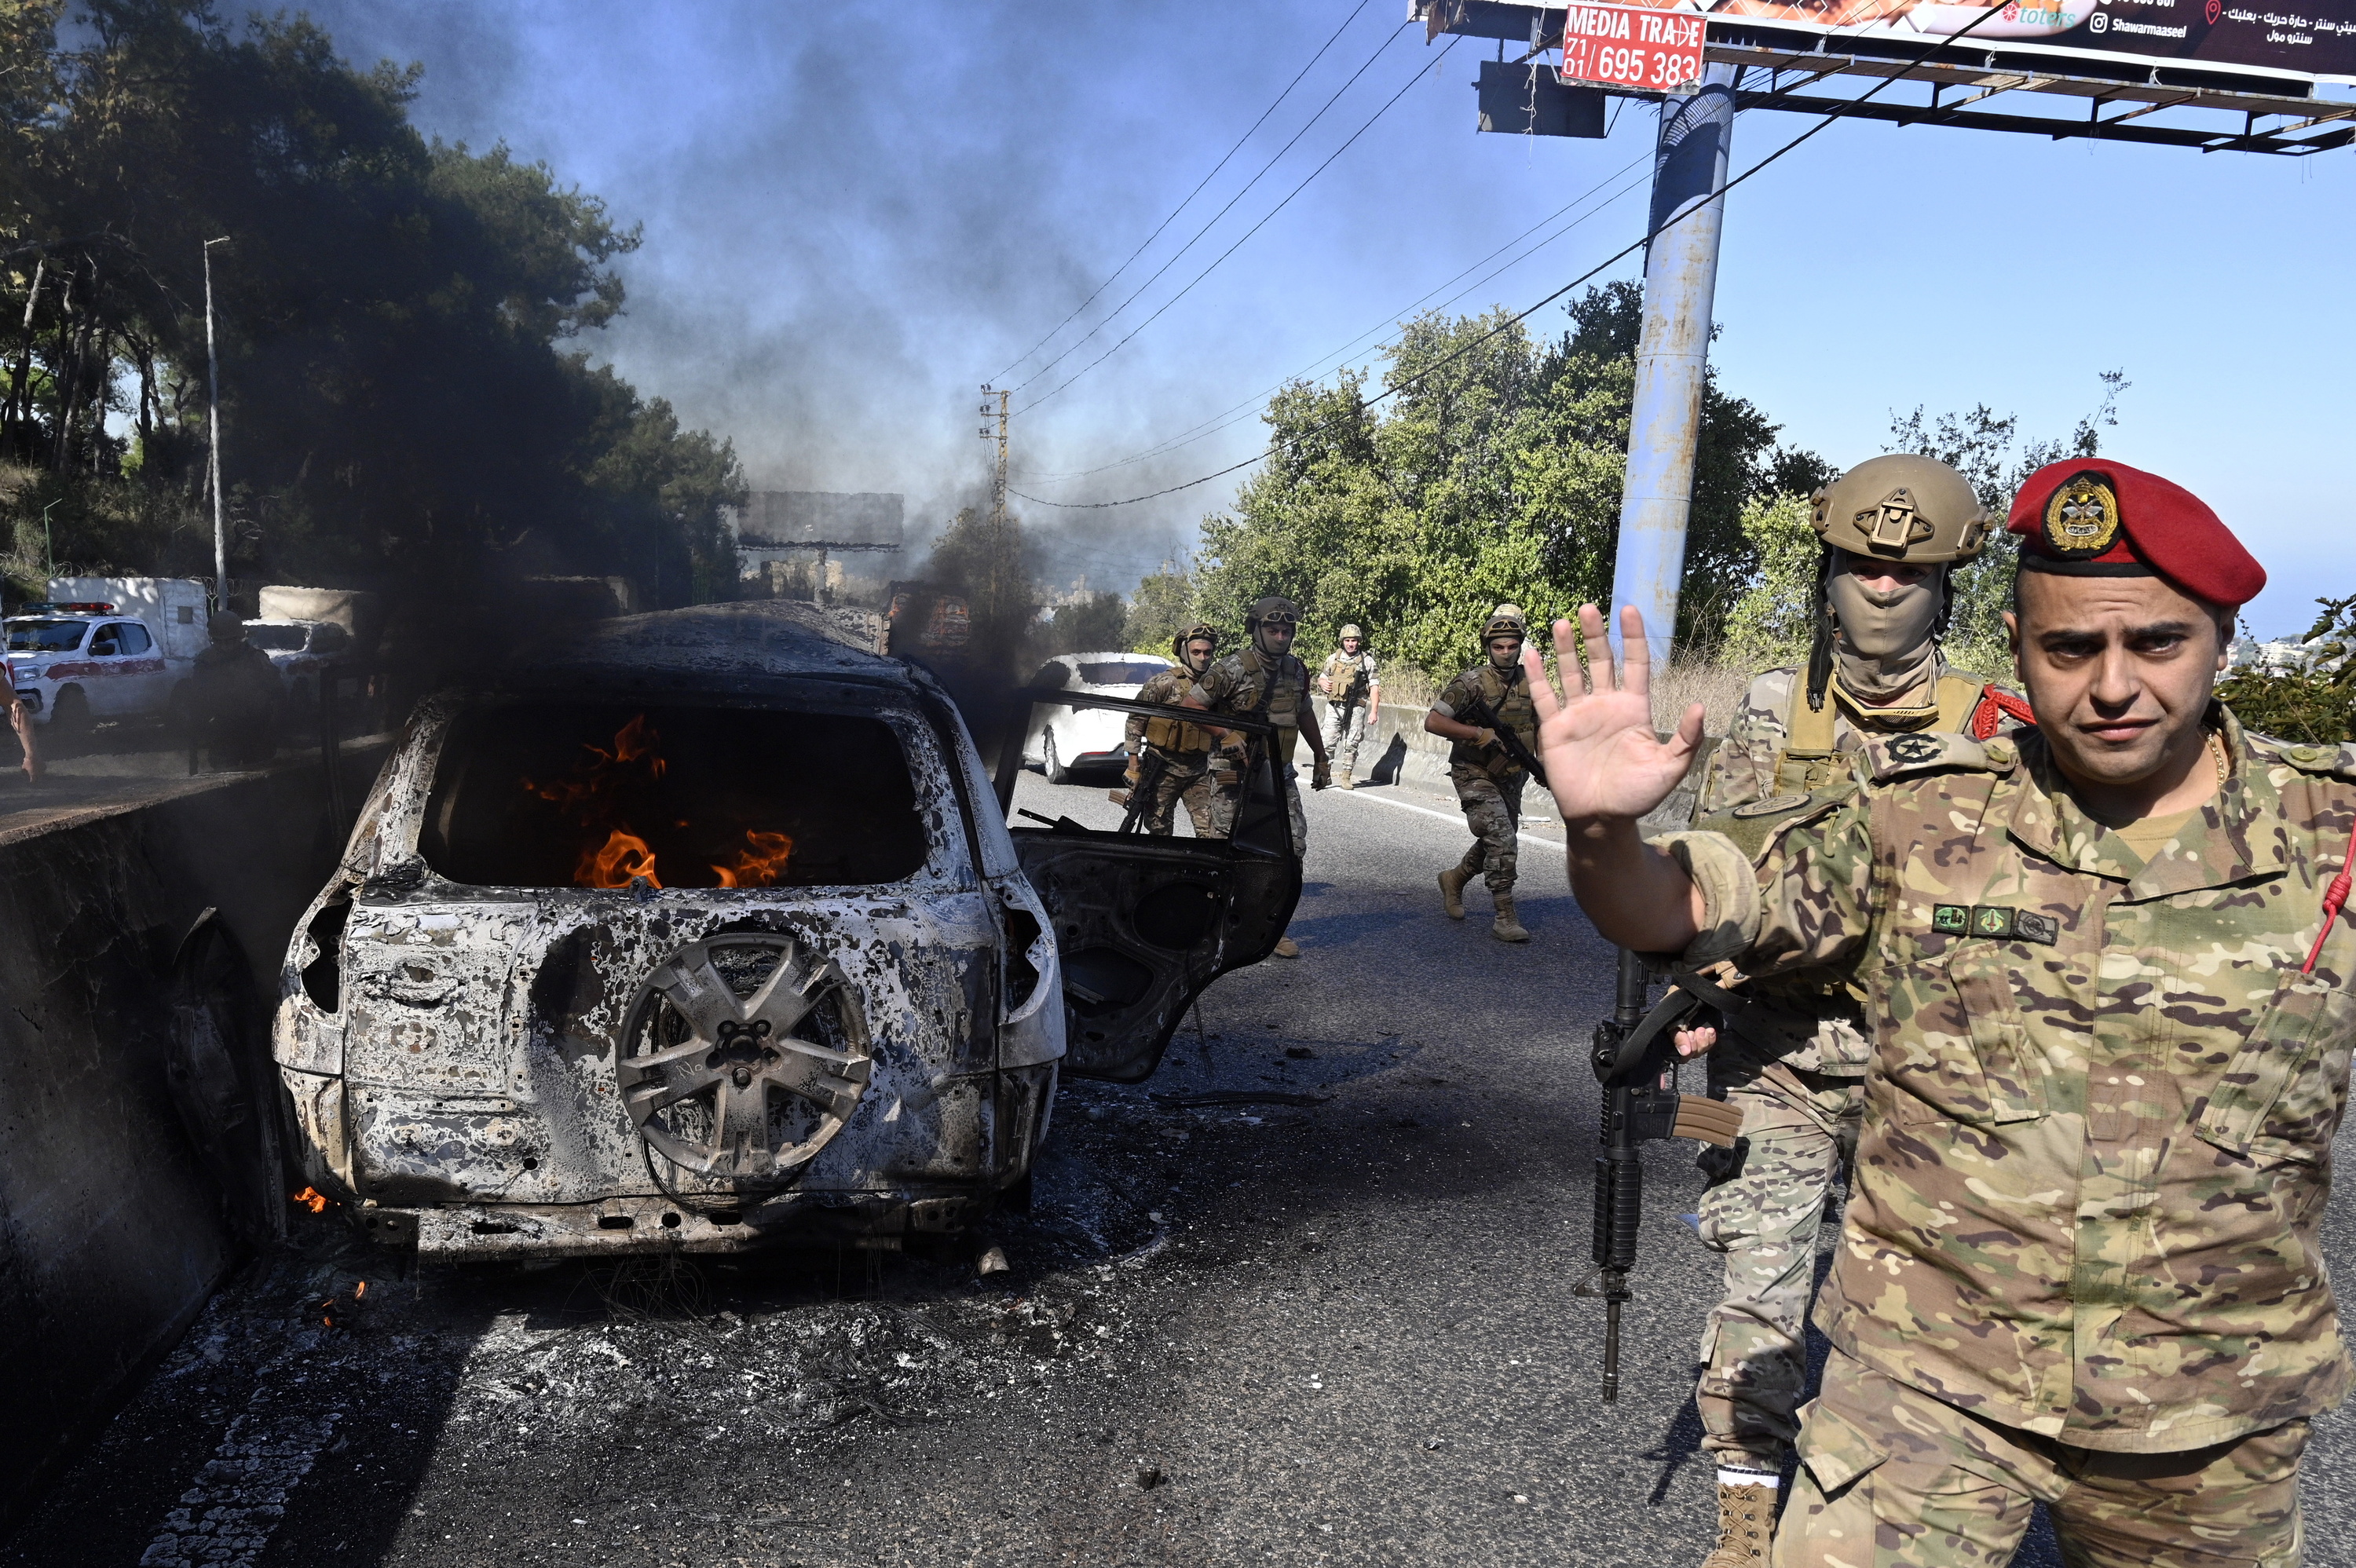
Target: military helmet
[1506,620]
[1903,507]
[1352,630]
[225,626]
[1275,610]
[1197,633]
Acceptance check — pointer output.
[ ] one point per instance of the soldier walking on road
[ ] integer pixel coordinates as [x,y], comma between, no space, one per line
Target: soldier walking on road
[1488,780]
[1352,685]
[1893,530]
[234,693]
[1263,679]
[2110,1009]
[1168,755]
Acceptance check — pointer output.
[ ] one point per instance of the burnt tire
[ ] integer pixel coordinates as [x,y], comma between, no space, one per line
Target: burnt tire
[222,1082]
[743,1056]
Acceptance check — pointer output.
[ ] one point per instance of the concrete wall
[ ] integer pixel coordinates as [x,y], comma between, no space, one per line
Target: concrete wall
[111,1234]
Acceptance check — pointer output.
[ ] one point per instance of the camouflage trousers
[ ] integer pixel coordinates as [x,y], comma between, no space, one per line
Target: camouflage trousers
[1494,811]
[1891,1477]
[1226,797]
[1185,779]
[1345,732]
[1799,1132]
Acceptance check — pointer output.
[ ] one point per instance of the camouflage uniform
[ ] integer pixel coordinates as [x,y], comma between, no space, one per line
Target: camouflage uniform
[1489,783]
[1250,681]
[2090,1183]
[1795,1069]
[1347,680]
[1185,751]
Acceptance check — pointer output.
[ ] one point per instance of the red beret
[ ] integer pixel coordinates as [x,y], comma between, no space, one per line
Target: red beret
[2092,517]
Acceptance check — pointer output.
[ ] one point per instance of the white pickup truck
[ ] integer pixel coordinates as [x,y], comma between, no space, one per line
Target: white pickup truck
[105,647]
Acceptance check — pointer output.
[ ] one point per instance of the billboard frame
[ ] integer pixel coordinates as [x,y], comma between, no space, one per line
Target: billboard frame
[2117,90]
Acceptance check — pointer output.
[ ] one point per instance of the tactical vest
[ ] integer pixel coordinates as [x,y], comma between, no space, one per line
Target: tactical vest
[1280,695]
[1514,709]
[1348,691]
[1809,761]
[1175,736]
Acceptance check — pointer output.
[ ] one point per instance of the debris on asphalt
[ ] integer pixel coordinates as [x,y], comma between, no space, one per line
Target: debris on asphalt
[991,1262]
[1237,1097]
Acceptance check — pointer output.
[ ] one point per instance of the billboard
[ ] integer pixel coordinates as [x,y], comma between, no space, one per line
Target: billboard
[2310,37]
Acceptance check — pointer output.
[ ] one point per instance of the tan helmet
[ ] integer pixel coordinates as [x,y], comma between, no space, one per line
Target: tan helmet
[1353,630]
[1197,633]
[1506,620]
[1903,507]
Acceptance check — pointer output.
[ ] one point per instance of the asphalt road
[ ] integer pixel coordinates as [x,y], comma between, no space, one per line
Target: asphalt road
[1338,1332]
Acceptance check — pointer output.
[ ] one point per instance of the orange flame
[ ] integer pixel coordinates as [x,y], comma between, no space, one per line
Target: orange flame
[314,1200]
[761,863]
[359,1290]
[622,858]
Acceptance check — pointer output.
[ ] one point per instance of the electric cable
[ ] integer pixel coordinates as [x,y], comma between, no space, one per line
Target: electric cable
[1234,412]
[1651,231]
[1139,292]
[1231,250]
[1191,195]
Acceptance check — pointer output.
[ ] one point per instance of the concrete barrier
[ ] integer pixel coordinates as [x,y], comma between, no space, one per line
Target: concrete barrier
[113,1234]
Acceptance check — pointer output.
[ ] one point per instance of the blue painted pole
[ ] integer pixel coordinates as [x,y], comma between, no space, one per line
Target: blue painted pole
[1680,283]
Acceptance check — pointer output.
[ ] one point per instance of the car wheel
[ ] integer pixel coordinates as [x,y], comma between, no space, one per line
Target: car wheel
[1053,763]
[70,717]
[742,1055]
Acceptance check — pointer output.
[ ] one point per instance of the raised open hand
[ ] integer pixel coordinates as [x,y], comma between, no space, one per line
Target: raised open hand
[1597,741]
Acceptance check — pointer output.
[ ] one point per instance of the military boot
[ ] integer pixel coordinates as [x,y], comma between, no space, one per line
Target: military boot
[1746,1522]
[1451,890]
[1508,926]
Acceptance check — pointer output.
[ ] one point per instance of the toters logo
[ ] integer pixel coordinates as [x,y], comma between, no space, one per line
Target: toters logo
[2081,519]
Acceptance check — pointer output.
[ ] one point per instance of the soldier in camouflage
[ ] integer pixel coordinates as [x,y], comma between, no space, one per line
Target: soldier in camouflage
[1264,679]
[1488,780]
[1351,683]
[1893,528]
[1176,755]
[2110,1007]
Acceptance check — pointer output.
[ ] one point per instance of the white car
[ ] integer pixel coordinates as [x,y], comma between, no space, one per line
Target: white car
[1065,740]
[299,652]
[71,663]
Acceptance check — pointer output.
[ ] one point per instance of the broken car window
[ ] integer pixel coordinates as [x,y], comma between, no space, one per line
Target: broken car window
[554,794]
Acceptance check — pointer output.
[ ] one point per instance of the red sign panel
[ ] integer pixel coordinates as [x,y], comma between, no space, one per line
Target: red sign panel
[1632,46]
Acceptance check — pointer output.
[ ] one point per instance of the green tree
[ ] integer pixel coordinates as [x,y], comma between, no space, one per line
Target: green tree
[1492,473]
[1163,607]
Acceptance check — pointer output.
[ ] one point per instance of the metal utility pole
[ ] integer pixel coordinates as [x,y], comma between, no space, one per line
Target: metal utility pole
[212,421]
[1672,352]
[997,489]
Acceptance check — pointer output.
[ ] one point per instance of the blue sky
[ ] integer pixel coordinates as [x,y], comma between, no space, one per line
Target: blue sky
[855,214]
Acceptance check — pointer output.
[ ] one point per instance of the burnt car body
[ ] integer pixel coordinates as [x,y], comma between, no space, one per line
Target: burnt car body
[704,929]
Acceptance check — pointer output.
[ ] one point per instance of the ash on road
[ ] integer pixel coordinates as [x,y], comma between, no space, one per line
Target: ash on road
[1274,1332]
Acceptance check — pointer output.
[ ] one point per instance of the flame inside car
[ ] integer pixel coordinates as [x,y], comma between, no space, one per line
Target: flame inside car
[312,1199]
[614,789]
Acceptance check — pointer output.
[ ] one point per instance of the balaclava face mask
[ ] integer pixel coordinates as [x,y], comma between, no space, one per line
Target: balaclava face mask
[1885,648]
[1511,661]
[1198,655]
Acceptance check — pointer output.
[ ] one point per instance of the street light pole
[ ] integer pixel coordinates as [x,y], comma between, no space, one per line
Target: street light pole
[212,421]
[1673,354]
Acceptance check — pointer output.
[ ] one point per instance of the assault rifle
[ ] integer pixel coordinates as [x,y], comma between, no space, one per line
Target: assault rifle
[1635,1061]
[1140,794]
[1481,716]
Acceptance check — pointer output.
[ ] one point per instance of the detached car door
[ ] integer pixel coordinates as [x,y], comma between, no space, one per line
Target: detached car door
[1145,924]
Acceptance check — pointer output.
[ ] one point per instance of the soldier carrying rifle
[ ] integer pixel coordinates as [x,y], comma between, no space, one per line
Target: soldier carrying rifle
[2108,999]
[1168,759]
[1486,711]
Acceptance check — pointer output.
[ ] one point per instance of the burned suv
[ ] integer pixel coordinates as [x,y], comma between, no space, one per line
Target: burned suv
[709,929]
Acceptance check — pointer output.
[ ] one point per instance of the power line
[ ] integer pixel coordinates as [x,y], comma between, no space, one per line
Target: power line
[1642,240]
[1381,49]
[1233,414]
[1231,250]
[1191,195]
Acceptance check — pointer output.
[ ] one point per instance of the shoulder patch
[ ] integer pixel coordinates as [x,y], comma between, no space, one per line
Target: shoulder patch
[1893,756]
